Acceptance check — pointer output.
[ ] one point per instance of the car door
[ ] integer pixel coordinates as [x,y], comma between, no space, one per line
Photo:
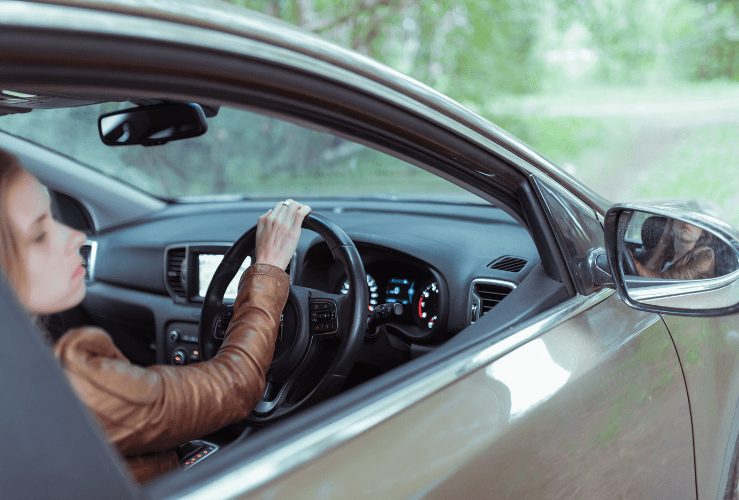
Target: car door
[701,313]
[709,349]
[587,400]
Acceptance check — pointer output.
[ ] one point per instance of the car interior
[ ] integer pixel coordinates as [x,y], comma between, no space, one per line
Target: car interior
[456,265]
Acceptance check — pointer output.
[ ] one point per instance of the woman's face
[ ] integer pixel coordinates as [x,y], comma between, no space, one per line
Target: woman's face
[686,233]
[55,278]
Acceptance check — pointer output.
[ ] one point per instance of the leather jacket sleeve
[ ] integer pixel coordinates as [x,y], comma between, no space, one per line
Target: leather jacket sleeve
[157,408]
[699,263]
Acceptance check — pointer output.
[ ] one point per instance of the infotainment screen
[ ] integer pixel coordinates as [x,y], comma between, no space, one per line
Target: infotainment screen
[207,265]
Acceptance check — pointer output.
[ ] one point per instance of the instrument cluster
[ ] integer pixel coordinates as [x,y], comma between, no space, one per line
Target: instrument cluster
[415,288]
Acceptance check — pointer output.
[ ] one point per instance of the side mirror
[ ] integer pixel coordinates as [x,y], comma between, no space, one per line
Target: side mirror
[672,259]
[152,125]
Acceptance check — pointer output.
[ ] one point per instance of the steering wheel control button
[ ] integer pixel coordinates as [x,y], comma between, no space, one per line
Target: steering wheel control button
[179,357]
[323,317]
[223,322]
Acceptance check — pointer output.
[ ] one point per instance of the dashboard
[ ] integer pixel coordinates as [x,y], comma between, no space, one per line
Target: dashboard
[445,264]
[392,278]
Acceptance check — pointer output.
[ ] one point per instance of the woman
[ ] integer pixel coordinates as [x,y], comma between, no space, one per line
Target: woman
[146,412]
[682,253]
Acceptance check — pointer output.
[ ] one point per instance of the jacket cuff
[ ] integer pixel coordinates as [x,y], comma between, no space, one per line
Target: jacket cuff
[265,269]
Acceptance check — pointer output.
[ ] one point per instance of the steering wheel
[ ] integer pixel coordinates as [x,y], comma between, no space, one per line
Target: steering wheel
[627,261]
[317,328]
[624,256]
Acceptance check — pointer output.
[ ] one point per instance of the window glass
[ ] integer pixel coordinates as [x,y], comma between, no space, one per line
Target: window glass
[242,153]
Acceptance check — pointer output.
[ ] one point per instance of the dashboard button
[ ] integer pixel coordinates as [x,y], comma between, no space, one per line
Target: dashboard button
[179,357]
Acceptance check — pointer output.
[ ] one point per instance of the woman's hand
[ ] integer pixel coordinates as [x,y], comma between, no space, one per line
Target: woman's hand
[278,232]
[640,268]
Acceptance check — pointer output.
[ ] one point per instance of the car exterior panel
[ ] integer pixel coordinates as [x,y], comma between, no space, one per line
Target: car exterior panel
[593,408]
[709,351]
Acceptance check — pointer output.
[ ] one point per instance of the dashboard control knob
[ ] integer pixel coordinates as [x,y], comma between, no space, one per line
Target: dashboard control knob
[179,357]
[174,335]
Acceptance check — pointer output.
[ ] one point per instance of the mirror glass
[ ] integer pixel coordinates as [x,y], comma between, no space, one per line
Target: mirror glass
[152,125]
[673,262]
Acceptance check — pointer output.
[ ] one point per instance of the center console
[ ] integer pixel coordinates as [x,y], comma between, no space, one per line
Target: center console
[189,268]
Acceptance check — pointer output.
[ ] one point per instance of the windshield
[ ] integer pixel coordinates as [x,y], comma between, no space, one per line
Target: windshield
[243,153]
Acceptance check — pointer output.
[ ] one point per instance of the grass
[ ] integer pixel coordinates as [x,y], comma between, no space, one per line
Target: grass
[703,164]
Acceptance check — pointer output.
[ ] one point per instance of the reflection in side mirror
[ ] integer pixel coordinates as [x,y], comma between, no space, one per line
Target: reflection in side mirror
[660,247]
[673,260]
[152,125]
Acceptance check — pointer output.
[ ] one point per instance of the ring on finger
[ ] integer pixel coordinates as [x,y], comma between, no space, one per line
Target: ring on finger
[286,203]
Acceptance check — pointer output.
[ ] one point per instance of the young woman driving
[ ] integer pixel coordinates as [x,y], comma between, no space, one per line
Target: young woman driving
[146,412]
[682,253]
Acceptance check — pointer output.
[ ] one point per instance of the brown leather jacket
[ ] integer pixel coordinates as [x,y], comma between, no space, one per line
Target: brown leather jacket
[698,263]
[146,412]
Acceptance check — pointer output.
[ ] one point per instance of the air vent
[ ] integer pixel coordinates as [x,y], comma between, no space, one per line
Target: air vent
[510,264]
[176,268]
[486,294]
[88,252]
[223,323]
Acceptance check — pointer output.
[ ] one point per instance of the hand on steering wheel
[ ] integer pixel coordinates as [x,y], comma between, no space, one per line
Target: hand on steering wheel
[321,333]
[278,232]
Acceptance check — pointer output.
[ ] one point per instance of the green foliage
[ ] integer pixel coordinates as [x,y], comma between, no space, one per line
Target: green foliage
[707,45]
[470,49]
[497,52]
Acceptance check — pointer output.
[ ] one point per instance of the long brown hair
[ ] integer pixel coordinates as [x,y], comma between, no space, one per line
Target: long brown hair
[11,256]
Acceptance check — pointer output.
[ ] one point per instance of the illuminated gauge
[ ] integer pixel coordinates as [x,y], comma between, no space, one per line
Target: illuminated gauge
[427,308]
[371,284]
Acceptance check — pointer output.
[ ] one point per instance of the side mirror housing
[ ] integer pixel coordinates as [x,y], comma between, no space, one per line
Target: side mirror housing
[673,258]
[152,125]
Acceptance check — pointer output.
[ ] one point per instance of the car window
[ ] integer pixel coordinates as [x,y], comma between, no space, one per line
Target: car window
[243,153]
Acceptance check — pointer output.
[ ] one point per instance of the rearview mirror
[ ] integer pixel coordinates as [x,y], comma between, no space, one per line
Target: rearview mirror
[670,259]
[152,125]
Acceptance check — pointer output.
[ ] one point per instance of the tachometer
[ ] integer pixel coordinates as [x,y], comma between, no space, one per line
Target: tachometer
[426,305]
[371,285]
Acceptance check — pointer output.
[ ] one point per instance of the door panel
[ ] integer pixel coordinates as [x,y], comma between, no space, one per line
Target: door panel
[709,350]
[595,407]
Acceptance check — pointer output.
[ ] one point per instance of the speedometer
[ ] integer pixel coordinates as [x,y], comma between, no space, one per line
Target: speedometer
[371,285]
[426,305]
